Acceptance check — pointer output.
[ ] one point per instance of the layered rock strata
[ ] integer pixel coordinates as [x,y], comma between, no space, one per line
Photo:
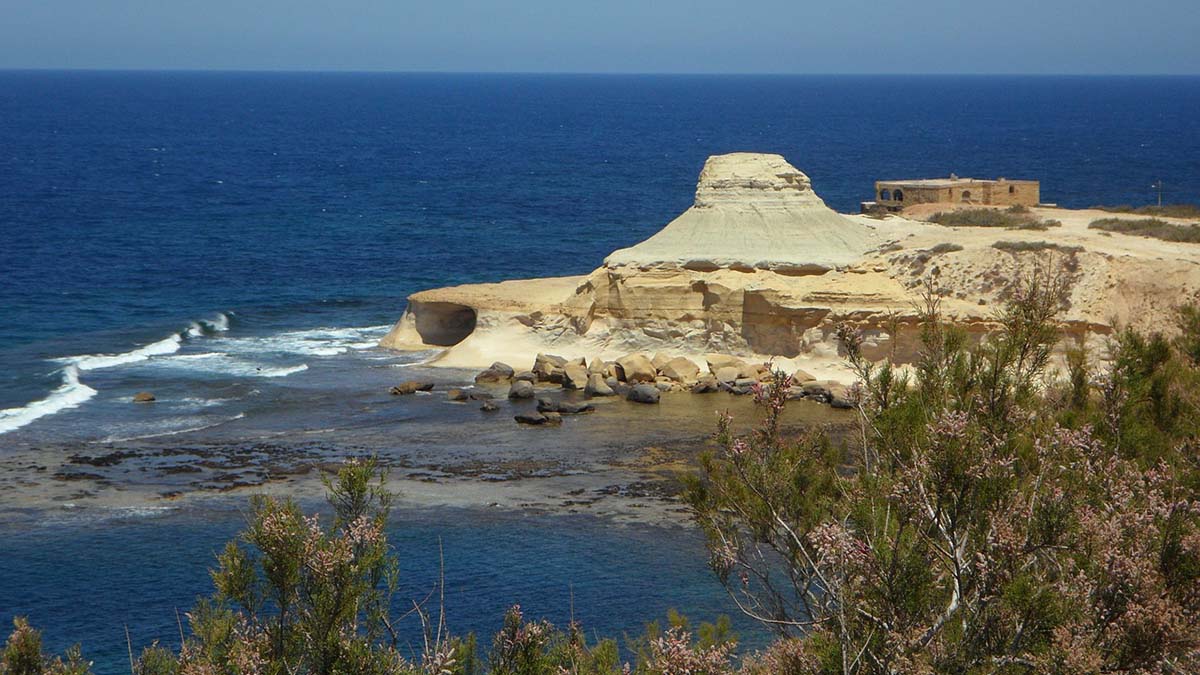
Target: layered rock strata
[759,267]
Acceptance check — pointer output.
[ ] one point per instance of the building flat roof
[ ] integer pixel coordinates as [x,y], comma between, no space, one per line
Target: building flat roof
[947,182]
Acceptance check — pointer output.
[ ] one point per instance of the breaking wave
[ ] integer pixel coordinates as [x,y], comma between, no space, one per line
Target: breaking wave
[208,326]
[69,394]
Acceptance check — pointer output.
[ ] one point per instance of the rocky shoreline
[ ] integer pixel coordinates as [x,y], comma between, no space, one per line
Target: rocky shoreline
[637,378]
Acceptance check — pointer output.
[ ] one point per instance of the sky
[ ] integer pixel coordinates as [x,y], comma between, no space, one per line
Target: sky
[603,36]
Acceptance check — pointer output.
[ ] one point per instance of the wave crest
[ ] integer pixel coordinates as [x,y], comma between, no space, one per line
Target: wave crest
[69,394]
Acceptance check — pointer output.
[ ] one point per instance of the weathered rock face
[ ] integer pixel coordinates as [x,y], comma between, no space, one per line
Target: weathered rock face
[753,211]
[759,268]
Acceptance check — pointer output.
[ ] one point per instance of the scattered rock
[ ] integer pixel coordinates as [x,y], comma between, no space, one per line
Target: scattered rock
[663,386]
[659,360]
[143,397]
[476,395]
[411,387]
[549,368]
[801,377]
[545,405]
[457,395]
[643,393]
[521,389]
[596,386]
[635,368]
[719,361]
[574,376]
[536,419]
[754,371]
[839,397]
[707,384]
[818,389]
[497,372]
[569,408]
[727,374]
[489,406]
[525,376]
[745,382]
[597,366]
[680,369]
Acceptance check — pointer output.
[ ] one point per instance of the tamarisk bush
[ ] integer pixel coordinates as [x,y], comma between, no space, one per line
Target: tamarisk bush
[990,522]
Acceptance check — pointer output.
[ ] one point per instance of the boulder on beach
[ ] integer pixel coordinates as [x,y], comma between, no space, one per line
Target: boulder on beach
[411,387]
[538,419]
[574,376]
[635,368]
[596,386]
[659,360]
[457,395]
[706,384]
[719,361]
[143,397]
[489,406]
[497,372]
[643,393]
[680,369]
[521,389]
[727,374]
[549,368]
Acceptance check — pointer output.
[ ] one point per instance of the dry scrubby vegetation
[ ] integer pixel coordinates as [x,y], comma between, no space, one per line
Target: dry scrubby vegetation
[989,519]
[1166,210]
[1149,227]
[1035,247]
[1015,217]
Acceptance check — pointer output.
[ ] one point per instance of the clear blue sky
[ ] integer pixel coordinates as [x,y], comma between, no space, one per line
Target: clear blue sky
[678,36]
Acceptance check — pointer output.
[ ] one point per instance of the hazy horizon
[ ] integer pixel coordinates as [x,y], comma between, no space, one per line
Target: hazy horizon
[765,37]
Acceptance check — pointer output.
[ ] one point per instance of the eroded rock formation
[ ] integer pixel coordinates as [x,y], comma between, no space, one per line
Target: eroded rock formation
[761,268]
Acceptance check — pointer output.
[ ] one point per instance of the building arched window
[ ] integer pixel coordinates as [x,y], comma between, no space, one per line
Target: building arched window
[898,195]
[885,195]
[966,195]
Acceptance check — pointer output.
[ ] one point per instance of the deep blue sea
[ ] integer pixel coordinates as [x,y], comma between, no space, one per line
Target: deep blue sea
[237,241]
[137,206]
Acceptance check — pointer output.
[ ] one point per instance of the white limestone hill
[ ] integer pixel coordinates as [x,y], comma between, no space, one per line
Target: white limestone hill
[752,211]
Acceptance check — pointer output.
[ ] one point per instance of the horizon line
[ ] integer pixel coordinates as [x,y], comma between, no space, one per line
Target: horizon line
[369,71]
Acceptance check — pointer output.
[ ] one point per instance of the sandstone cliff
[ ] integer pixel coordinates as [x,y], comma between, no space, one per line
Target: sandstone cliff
[761,268]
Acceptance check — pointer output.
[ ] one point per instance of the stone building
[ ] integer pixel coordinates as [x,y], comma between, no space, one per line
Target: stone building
[896,194]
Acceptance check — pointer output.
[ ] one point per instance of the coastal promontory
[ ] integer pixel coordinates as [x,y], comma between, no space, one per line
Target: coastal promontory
[759,267]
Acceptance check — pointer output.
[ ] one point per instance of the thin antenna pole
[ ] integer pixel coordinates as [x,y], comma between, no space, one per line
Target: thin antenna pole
[1158,185]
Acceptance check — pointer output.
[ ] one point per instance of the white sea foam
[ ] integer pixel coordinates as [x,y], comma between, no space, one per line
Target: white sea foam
[223,363]
[168,345]
[172,432]
[69,394]
[312,342]
[208,326]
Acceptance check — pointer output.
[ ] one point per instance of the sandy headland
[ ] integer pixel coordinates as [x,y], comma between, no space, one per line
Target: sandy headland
[759,268]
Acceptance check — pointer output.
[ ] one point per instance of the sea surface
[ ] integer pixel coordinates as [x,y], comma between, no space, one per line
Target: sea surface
[238,242]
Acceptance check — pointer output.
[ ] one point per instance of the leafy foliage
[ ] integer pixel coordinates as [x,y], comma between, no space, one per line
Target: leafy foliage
[981,527]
